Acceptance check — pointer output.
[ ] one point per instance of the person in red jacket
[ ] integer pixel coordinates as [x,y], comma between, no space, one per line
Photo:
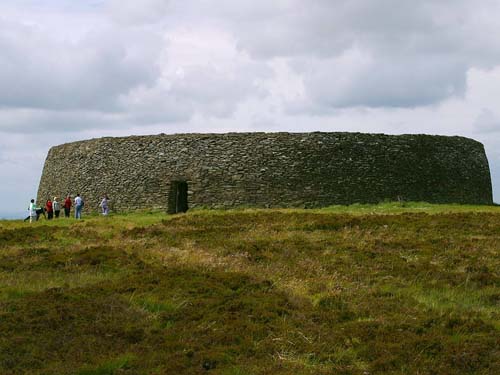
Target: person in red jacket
[67,206]
[49,209]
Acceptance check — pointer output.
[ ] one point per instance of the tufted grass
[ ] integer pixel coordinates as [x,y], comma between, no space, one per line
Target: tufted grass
[384,289]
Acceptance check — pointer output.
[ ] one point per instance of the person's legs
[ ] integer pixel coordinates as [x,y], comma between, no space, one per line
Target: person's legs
[78,212]
[57,214]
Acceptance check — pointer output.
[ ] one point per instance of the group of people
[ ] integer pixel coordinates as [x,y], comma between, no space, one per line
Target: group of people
[53,208]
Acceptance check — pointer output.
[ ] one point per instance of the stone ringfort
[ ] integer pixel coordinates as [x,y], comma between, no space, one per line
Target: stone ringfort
[181,171]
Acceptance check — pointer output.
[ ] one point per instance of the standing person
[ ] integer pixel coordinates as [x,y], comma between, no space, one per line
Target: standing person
[78,207]
[32,212]
[67,206]
[49,209]
[104,205]
[57,207]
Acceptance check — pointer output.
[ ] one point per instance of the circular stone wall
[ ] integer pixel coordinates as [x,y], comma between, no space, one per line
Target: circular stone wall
[267,170]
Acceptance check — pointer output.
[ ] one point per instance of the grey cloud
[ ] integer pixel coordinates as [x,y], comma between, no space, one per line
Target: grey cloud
[381,83]
[199,90]
[35,121]
[37,71]
[420,51]
[324,27]
[196,89]
[327,28]
[136,13]
[487,122]
[113,76]
[217,90]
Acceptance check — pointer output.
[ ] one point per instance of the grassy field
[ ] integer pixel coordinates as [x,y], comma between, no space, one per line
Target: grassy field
[385,289]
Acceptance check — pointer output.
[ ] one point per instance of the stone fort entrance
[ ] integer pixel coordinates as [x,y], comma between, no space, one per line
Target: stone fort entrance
[178,197]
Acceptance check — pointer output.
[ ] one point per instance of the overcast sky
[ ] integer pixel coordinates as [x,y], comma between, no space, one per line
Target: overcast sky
[72,70]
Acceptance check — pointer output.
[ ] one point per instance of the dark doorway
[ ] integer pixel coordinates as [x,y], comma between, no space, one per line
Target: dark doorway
[178,197]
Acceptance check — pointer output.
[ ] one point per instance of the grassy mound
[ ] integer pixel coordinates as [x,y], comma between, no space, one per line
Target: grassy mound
[359,290]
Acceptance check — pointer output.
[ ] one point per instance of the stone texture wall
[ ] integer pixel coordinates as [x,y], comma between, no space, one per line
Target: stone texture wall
[269,169]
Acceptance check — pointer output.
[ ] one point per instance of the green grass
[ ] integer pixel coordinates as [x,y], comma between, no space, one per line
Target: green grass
[385,289]
[401,207]
[110,367]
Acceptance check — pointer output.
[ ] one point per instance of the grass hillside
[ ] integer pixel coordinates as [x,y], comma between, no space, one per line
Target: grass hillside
[345,290]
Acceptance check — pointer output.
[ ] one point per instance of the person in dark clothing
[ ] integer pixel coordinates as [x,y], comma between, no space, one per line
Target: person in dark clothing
[67,206]
[39,211]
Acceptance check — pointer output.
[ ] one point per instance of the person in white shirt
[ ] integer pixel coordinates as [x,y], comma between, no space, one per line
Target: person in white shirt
[56,206]
[78,207]
[32,210]
[104,205]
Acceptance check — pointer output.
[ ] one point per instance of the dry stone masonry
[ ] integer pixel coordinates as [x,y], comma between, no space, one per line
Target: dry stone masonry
[174,172]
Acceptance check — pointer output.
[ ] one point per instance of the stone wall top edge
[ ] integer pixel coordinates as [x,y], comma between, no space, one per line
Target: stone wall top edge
[257,135]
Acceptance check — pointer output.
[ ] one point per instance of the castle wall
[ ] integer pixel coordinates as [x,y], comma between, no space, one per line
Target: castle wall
[269,169]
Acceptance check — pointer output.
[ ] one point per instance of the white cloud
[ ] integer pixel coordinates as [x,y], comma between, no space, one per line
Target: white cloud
[136,13]
[487,122]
